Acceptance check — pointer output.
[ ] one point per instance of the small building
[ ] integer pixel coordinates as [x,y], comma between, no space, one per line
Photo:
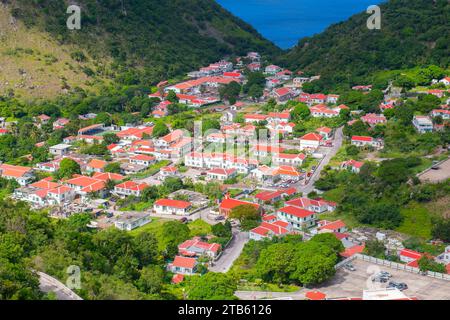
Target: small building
[60,149]
[142,159]
[310,141]
[228,204]
[352,165]
[297,217]
[365,141]
[221,174]
[128,188]
[169,171]
[130,221]
[23,175]
[96,165]
[183,265]
[268,230]
[196,248]
[408,256]
[172,207]
[422,124]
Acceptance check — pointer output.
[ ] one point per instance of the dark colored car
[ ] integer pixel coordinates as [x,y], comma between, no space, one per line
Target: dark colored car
[399,285]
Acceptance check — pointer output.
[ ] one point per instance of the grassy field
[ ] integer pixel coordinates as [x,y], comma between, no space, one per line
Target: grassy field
[417,221]
[33,64]
[197,227]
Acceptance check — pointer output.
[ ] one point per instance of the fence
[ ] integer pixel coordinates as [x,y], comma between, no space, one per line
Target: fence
[393,265]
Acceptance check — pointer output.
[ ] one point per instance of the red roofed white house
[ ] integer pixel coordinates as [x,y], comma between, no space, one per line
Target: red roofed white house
[325,132]
[297,217]
[142,159]
[283,159]
[228,204]
[174,207]
[316,205]
[196,248]
[183,265]
[331,226]
[352,165]
[408,255]
[310,141]
[221,174]
[268,230]
[374,119]
[128,188]
[362,141]
[282,94]
[445,81]
[255,117]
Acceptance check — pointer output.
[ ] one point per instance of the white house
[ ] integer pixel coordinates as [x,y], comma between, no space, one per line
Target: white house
[310,141]
[174,207]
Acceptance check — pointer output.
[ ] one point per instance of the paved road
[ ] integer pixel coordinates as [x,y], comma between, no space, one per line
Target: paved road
[337,143]
[49,284]
[231,253]
[262,295]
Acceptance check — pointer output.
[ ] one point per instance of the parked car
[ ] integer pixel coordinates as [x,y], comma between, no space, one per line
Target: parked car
[380,279]
[184,220]
[349,267]
[385,274]
[399,285]
[219,218]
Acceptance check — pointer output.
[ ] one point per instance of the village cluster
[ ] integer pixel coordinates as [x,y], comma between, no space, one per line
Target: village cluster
[273,173]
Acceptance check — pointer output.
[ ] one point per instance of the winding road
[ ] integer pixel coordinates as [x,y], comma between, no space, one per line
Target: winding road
[49,284]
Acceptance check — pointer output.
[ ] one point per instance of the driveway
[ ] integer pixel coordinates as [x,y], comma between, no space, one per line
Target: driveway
[49,284]
[231,253]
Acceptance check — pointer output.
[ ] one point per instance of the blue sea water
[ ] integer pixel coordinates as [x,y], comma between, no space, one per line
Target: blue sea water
[284,22]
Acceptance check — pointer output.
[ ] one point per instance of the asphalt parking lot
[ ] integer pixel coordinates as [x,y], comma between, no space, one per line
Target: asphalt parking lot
[352,283]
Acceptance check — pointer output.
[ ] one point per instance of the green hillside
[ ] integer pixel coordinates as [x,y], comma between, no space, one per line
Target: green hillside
[413,33]
[130,42]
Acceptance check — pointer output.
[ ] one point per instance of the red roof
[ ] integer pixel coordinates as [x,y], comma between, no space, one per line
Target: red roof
[312,136]
[410,254]
[352,250]
[173,203]
[338,224]
[131,185]
[298,212]
[177,278]
[362,138]
[315,295]
[184,262]
[229,203]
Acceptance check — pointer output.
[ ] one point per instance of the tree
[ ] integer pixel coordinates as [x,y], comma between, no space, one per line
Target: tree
[427,263]
[381,214]
[230,92]
[172,97]
[352,150]
[375,249]
[255,92]
[67,168]
[300,112]
[211,286]
[145,247]
[329,240]
[113,167]
[110,138]
[248,215]
[151,279]
[160,130]
[441,229]
[172,234]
